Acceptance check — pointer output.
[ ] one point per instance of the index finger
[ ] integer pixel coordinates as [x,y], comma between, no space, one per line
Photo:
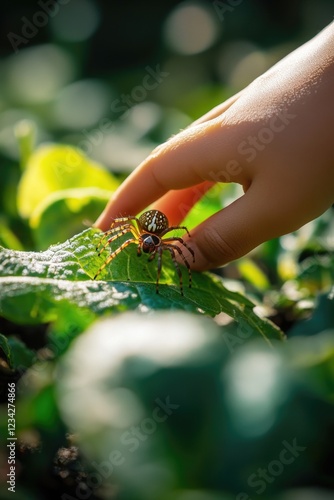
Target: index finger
[187,159]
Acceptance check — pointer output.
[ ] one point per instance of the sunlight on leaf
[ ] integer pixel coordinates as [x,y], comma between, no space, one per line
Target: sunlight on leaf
[7,238]
[40,284]
[253,273]
[54,168]
[78,207]
[205,207]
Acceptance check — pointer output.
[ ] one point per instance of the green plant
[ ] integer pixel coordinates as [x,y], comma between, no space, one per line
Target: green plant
[94,361]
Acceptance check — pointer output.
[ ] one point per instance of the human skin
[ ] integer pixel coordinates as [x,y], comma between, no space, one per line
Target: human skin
[275,138]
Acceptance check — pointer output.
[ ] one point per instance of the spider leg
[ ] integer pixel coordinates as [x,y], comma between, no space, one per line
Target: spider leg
[190,250]
[159,250]
[113,254]
[109,232]
[118,220]
[115,229]
[129,218]
[117,232]
[152,255]
[172,248]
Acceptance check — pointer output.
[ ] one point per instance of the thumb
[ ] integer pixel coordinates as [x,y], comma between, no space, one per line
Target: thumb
[255,217]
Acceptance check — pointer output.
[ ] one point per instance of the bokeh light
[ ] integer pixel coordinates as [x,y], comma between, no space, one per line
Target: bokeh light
[240,62]
[35,74]
[81,104]
[254,390]
[191,28]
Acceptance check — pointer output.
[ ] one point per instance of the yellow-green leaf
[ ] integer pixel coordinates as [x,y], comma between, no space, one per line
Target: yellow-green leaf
[66,213]
[253,274]
[53,168]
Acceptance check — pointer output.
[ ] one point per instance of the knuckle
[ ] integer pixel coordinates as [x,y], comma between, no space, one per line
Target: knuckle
[217,249]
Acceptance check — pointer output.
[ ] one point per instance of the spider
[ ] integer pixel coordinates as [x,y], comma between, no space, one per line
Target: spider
[147,232]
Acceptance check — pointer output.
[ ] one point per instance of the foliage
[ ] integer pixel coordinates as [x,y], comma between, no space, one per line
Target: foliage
[209,349]
[44,285]
[122,393]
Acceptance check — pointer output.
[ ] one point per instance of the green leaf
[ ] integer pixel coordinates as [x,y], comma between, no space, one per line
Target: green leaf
[54,168]
[42,284]
[208,205]
[8,238]
[19,357]
[78,207]
[4,346]
[251,272]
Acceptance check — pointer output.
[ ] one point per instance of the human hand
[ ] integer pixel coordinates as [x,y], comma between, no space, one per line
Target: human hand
[275,138]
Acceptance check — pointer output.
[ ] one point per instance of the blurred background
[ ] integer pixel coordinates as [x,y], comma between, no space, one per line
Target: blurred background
[119,77]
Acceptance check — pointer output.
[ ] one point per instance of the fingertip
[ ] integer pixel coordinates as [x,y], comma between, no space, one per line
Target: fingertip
[100,222]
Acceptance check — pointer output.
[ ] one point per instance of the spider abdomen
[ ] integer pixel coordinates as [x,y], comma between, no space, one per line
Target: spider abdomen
[153,221]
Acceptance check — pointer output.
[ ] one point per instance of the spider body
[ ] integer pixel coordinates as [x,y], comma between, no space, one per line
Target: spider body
[148,233]
[153,221]
[149,242]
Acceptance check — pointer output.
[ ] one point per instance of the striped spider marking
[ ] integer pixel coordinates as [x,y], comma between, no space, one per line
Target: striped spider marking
[148,233]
